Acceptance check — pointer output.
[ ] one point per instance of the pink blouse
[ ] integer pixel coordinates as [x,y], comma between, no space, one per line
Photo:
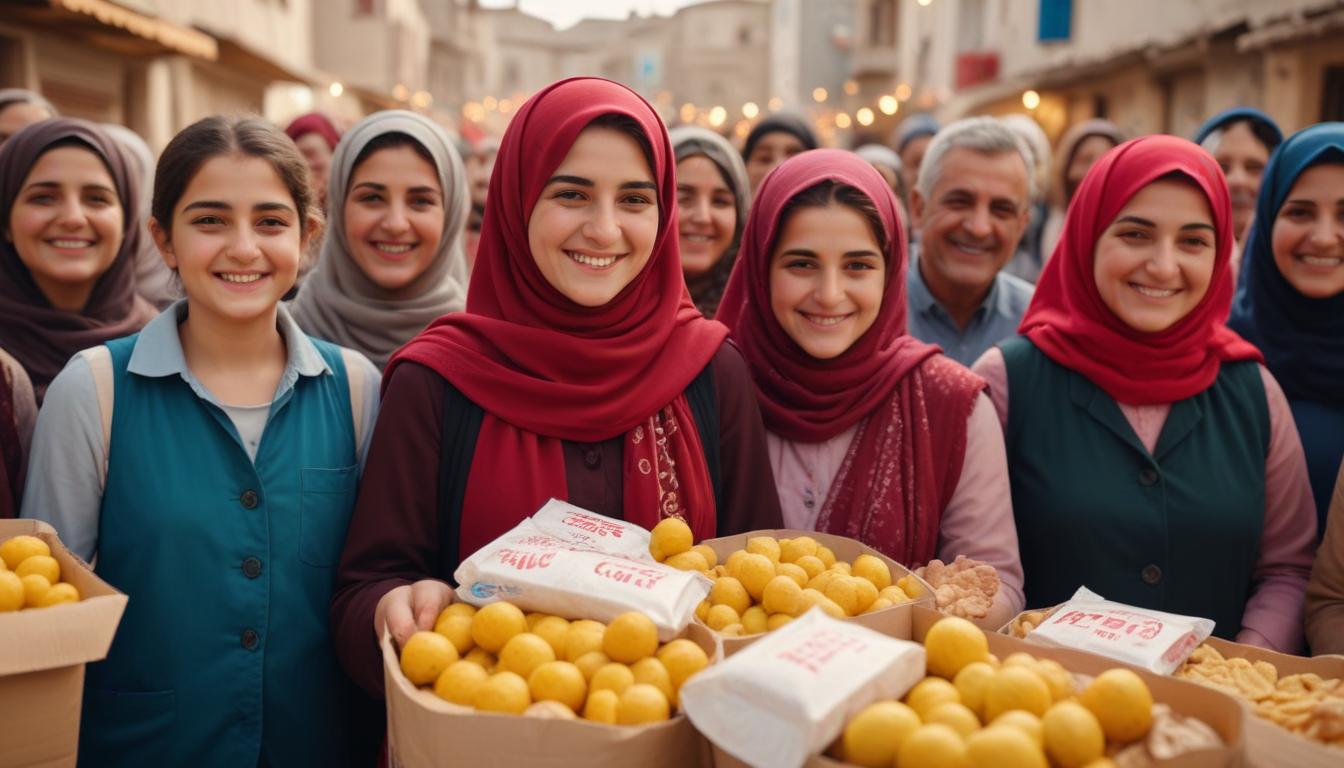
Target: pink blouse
[977,523]
[1273,616]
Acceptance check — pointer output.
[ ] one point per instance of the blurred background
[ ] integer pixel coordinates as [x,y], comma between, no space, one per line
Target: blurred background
[854,67]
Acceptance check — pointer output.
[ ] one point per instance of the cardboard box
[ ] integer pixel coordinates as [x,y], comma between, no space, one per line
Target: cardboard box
[1218,710]
[845,549]
[42,656]
[425,731]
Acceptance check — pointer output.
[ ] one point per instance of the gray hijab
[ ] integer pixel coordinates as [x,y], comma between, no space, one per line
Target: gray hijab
[154,281]
[690,141]
[338,302]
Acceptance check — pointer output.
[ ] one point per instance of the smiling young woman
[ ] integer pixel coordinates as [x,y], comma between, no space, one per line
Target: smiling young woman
[712,201]
[392,261]
[580,370]
[1152,458]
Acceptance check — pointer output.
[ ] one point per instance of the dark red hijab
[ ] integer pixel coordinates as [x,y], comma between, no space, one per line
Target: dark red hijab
[314,122]
[906,457]
[1068,320]
[38,335]
[545,369]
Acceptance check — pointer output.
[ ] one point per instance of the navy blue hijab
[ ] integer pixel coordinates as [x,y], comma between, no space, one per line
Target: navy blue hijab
[1263,126]
[1302,338]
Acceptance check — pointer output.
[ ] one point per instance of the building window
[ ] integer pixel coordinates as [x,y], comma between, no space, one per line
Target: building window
[1332,94]
[1056,20]
[882,23]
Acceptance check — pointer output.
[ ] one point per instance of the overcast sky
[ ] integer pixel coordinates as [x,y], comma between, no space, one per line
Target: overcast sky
[564,13]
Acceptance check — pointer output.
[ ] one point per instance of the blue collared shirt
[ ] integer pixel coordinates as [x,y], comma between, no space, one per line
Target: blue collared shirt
[996,318]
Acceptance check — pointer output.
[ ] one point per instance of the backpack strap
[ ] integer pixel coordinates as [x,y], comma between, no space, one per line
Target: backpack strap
[355,377]
[99,359]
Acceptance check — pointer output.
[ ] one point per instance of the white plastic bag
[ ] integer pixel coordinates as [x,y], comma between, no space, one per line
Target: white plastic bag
[1156,641]
[786,696]
[588,530]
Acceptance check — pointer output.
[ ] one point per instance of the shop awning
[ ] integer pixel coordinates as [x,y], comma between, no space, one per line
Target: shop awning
[113,27]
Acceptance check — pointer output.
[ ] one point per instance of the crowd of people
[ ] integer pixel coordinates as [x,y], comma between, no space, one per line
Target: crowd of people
[277,384]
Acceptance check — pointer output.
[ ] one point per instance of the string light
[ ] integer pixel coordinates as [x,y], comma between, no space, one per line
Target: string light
[775,104]
[865,116]
[750,110]
[903,92]
[717,116]
[489,103]
[924,3]
[842,121]
[400,92]
[819,94]
[336,89]
[1031,99]
[851,87]
[687,112]
[888,104]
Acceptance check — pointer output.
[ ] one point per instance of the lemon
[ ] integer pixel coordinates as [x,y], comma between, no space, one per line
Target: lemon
[651,671]
[971,682]
[783,595]
[35,586]
[880,604]
[893,593]
[1073,737]
[956,716]
[533,618]
[820,581]
[1002,747]
[590,662]
[1101,762]
[503,692]
[482,658]
[1020,659]
[842,568]
[876,733]
[601,706]
[44,565]
[707,552]
[425,656]
[776,621]
[702,610]
[642,703]
[1016,688]
[764,545]
[1023,721]
[11,591]
[873,569]
[558,681]
[793,571]
[457,628]
[554,630]
[690,560]
[525,652]
[728,591]
[932,746]
[1056,678]
[721,616]
[754,620]
[584,636]
[671,536]
[825,555]
[630,637]
[734,561]
[613,677]
[460,682]
[458,609]
[811,565]
[929,693]
[792,549]
[1122,703]
[953,643]
[493,625]
[814,598]
[844,593]
[682,658]
[14,551]
[550,710]
[755,571]
[733,630]
[59,593]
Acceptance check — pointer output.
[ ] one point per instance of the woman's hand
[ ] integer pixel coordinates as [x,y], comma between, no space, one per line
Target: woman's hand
[411,607]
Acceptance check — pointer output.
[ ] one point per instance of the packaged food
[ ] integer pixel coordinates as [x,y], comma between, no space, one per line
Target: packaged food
[588,530]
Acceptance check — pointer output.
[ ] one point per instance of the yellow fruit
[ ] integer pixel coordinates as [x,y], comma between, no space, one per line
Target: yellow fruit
[584,636]
[533,618]
[754,620]
[14,551]
[783,595]
[873,569]
[493,625]
[503,692]
[821,580]
[1023,721]
[457,628]
[11,591]
[558,681]
[44,565]
[879,604]
[642,703]
[932,746]
[554,630]
[929,693]
[866,591]
[1073,737]
[733,630]
[1020,659]
[612,677]
[651,671]
[734,561]
[971,682]
[825,555]
[1122,703]
[910,585]
[702,610]
[876,733]
[793,571]
[425,656]
[590,662]
[955,716]
[1002,747]
[1101,762]
[524,653]
[764,545]
[953,643]
[755,571]
[59,593]
[776,621]
[895,594]
[721,616]
[35,586]
[671,536]
[690,560]
[460,682]
[791,550]
[458,609]
[844,592]
[1056,678]
[482,658]
[814,598]
[1016,688]
[842,568]
[550,710]
[682,658]
[730,592]
[811,565]
[707,552]
[601,706]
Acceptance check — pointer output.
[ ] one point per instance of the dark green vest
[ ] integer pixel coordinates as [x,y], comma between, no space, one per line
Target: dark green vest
[1176,530]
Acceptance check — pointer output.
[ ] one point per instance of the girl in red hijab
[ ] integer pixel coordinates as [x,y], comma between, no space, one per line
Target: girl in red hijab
[872,434]
[1153,458]
[581,370]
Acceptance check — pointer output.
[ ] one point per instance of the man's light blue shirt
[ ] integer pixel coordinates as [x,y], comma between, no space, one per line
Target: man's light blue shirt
[996,318]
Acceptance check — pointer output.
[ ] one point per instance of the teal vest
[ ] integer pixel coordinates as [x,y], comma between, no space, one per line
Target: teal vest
[223,657]
[1176,530]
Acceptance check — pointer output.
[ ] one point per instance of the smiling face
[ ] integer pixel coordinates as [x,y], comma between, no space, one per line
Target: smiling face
[1153,264]
[394,214]
[1308,235]
[67,224]
[1089,151]
[236,241]
[769,151]
[708,214]
[827,276]
[593,228]
[1243,159]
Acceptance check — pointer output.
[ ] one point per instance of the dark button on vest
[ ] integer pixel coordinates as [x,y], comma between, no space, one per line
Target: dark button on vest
[249,499]
[251,567]
[249,639]
[1151,574]
[1147,477]
[592,458]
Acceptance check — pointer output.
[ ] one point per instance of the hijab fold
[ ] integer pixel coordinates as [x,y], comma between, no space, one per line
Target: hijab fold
[1237,114]
[547,370]
[1069,322]
[694,141]
[780,122]
[41,337]
[338,302]
[1302,338]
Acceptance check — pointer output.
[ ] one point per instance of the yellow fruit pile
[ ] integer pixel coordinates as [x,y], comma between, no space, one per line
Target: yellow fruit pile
[498,659]
[773,581]
[30,577]
[974,711]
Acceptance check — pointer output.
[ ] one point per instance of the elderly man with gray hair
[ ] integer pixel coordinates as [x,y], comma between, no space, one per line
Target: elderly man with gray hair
[970,206]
